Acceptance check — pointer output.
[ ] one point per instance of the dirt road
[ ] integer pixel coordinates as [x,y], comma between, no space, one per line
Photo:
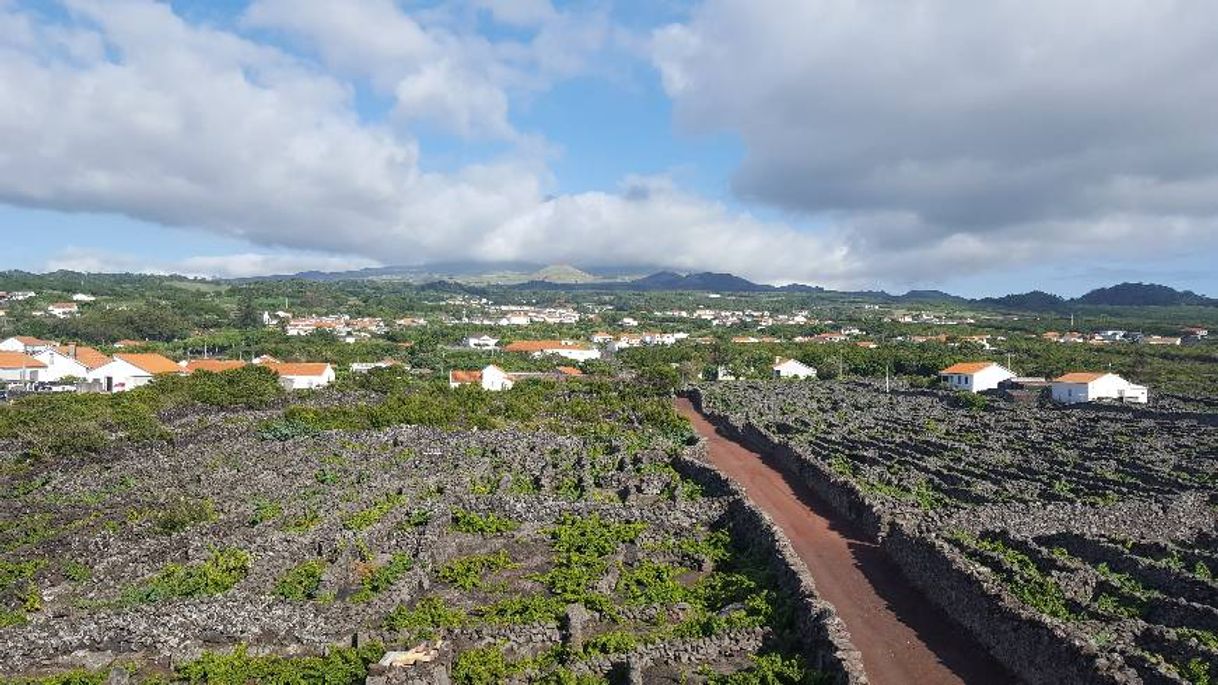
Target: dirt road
[904,639]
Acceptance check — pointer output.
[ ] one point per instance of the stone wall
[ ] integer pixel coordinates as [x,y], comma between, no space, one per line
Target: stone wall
[1033,649]
[820,630]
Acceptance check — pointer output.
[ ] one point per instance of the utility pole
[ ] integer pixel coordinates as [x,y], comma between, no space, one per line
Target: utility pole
[887,383]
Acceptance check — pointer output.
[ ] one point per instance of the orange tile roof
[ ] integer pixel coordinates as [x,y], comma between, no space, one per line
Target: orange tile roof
[570,371]
[543,346]
[967,367]
[151,362]
[88,356]
[17,360]
[298,368]
[30,341]
[1079,377]
[460,376]
[213,365]
[129,343]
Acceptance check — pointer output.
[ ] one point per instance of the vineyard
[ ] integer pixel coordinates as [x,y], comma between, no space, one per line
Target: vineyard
[1095,526]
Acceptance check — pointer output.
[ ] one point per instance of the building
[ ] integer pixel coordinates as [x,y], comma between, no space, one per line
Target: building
[365,367]
[490,378]
[70,361]
[25,345]
[975,376]
[481,342]
[17,367]
[302,375]
[129,371]
[564,348]
[792,368]
[212,365]
[62,310]
[1084,386]
[83,297]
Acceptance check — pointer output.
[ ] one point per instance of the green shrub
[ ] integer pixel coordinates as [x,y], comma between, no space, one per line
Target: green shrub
[340,666]
[427,616]
[481,524]
[183,514]
[382,577]
[302,581]
[467,572]
[523,610]
[482,666]
[219,573]
[372,515]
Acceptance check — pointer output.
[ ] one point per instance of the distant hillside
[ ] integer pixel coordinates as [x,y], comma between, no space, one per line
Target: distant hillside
[707,281]
[1144,295]
[1034,301]
[561,273]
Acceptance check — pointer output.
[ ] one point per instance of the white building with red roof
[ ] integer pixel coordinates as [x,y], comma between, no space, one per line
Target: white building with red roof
[129,371]
[1088,386]
[975,376]
[17,367]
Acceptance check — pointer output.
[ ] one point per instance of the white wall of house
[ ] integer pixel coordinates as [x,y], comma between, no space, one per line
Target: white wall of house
[15,345]
[119,376]
[985,379]
[496,379]
[793,368]
[60,366]
[308,382]
[21,375]
[482,342]
[579,355]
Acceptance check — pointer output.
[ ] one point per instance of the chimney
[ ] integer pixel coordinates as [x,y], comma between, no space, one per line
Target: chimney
[72,350]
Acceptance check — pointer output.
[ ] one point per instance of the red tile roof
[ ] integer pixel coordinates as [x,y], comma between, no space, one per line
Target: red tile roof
[968,368]
[213,365]
[150,362]
[298,368]
[88,356]
[543,346]
[570,371]
[461,376]
[17,360]
[1079,377]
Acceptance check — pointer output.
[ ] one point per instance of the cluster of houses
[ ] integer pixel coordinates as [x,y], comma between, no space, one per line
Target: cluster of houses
[517,315]
[29,361]
[1189,335]
[1071,388]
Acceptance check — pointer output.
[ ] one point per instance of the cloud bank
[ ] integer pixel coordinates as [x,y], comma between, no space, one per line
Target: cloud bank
[902,141]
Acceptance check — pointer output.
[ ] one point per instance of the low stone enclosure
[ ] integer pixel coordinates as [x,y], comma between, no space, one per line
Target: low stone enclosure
[505,556]
[1077,545]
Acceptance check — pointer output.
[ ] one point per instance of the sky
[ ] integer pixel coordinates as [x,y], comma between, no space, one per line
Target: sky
[979,148]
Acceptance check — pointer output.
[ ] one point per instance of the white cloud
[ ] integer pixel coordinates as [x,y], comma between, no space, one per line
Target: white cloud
[92,260]
[1038,129]
[201,128]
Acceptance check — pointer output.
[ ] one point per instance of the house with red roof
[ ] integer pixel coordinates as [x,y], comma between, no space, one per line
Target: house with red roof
[127,371]
[975,376]
[1088,386]
[16,367]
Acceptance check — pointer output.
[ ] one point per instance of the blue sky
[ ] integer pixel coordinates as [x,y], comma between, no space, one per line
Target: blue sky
[820,142]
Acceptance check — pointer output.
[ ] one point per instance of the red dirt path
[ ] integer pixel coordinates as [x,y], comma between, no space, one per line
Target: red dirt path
[904,639]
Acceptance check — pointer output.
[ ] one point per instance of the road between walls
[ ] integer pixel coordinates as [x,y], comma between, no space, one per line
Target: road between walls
[903,637]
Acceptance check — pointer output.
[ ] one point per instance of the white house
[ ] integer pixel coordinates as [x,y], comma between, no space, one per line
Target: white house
[975,376]
[481,342]
[490,378]
[303,375]
[1076,387]
[130,371]
[792,368]
[365,367]
[25,345]
[16,367]
[62,310]
[83,297]
[564,348]
[70,361]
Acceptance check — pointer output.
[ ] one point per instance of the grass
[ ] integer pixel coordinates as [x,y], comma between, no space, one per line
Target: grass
[219,573]
[426,618]
[301,582]
[369,517]
[469,572]
[481,524]
[381,577]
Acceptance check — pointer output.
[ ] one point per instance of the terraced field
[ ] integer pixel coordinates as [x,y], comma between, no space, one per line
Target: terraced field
[1087,534]
[241,550]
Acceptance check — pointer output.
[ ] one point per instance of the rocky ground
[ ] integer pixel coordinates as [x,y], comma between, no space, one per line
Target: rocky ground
[1098,523]
[502,555]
